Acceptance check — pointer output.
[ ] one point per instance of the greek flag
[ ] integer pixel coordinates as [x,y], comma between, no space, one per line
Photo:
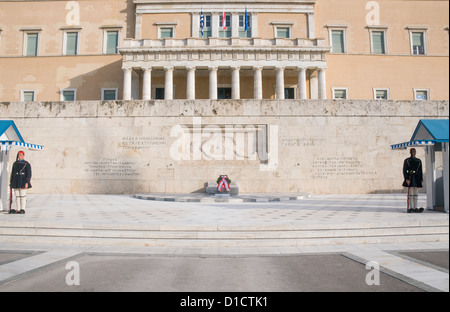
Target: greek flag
[246,19]
[202,22]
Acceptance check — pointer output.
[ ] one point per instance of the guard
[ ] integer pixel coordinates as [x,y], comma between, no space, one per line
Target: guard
[412,172]
[20,182]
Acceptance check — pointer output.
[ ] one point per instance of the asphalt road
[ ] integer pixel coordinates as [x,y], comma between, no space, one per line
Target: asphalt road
[146,273]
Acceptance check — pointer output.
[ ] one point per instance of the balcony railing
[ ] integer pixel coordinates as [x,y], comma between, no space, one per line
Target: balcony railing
[211,43]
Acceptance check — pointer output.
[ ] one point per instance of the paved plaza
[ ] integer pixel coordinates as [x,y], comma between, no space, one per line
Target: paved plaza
[28,260]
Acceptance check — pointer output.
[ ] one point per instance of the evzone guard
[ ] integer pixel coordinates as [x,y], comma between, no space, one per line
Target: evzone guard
[19,183]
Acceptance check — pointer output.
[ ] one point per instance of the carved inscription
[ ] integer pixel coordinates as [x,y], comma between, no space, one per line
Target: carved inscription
[301,141]
[111,167]
[335,167]
[141,142]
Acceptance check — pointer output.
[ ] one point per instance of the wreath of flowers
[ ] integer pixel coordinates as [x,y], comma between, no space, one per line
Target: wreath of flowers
[220,179]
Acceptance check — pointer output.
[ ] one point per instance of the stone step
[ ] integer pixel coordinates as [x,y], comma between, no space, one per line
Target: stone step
[176,234]
[222,235]
[101,241]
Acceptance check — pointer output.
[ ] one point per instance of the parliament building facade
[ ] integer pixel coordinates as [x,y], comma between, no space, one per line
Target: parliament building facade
[90,50]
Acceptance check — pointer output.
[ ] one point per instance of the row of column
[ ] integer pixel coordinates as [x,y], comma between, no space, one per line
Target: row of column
[317,83]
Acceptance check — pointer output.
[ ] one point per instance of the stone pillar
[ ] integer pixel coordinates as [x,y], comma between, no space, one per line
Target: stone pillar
[430,177]
[235,25]
[127,84]
[4,179]
[195,17]
[314,84]
[168,86]
[235,83]
[279,89]
[147,84]
[213,83]
[215,24]
[302,83]
[190,85]
[445,163]
[254,24]
[322,84]
[311,31]
[258,89]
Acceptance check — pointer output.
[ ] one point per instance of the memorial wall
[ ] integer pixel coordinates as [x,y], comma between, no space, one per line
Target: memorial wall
[265,146]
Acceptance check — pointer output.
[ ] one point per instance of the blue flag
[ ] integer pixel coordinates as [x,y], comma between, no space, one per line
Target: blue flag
[246,19]
[202,22]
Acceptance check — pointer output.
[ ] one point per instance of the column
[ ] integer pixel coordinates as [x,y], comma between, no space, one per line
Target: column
[213,83]
[147,84]
[279,89]
[235,83]
[314,84]
[302,83]
[258,91]
[138,26]
[311,31]
[215,24]
[322,84]
[195,24]
[127,84]
[168,86]
[4,178]
[445,173]
[235,25]
[430,177]
[254,24]
[190,85]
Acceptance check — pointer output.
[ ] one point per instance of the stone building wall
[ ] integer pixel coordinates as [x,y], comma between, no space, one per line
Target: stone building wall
[289,146]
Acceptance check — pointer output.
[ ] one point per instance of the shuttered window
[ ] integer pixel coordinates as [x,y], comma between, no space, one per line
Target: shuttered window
[32,44]
[337,38]
[378,43]
[166,32]
[71,43]
[112,41]
[339,93]
[418,46]
[28,96]
[283,32]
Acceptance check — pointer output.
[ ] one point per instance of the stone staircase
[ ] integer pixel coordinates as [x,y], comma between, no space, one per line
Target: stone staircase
[15,231]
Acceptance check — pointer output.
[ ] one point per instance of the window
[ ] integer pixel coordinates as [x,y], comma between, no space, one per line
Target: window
[421,94]
[27,95]
[207,32]
[378,42]
[225,33]
[159,93]
[111,42]
[337,41]
[70,43]
[340,93]
[32,44]
[381,94]
[223,93]
[242,32]
[418,43]
[283,32]
[68,94]
[289,93]
[166,32]
[337,36]
[109,94]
